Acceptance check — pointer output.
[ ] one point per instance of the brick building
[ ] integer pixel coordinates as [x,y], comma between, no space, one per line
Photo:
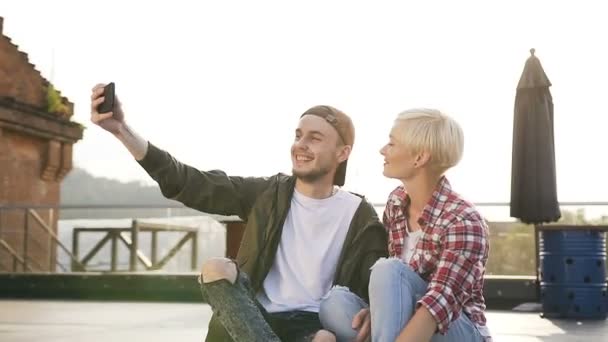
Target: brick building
[36,138]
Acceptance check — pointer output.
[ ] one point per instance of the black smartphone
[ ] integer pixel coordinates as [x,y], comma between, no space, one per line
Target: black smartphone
[108,102]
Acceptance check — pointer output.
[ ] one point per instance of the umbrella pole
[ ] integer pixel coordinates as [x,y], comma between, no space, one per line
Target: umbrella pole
[537,263]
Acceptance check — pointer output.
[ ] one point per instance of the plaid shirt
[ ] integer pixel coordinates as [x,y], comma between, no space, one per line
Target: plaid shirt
[451,254]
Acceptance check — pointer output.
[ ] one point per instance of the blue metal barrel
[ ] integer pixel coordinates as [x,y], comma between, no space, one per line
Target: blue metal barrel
[573,272]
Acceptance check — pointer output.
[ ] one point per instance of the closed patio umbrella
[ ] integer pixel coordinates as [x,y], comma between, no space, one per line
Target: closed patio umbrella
[533,181]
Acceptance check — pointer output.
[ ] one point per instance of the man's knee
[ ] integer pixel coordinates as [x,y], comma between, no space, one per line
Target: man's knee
[337,311]
[324,336]
[216,269]
[334,303]
[335,297]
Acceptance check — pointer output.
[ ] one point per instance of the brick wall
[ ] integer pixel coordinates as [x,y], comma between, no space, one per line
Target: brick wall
[21,158]
[19,79]
[35,155]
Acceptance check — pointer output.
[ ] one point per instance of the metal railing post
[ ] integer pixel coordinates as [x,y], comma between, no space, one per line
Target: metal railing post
[134,246]
[75,250]
[52,255]
[194,256]
[114,257]
[25,239]
[154,247]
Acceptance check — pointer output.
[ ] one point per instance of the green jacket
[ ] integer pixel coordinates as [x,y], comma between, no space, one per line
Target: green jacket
[264,203]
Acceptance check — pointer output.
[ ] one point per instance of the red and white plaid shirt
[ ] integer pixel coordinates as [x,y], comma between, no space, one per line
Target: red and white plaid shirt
[451,254]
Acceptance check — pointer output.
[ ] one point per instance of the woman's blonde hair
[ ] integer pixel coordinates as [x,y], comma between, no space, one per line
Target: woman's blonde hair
[424,129]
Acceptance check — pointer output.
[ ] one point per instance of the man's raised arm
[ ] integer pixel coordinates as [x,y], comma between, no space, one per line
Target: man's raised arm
[211,192]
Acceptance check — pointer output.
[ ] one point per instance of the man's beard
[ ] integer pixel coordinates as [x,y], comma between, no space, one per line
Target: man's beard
[313,175]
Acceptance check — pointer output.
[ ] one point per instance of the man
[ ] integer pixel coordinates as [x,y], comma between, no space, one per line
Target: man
[303,233]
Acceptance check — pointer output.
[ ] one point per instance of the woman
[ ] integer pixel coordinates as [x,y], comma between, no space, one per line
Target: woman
[430,289]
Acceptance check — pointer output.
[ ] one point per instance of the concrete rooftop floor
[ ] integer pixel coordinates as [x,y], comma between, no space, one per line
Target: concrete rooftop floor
[71,321]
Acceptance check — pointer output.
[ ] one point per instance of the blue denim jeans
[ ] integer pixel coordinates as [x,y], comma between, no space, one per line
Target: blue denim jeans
[394,290]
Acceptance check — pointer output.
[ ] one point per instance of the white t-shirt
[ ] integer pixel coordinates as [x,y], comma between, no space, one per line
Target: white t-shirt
[307,255]
[409,245]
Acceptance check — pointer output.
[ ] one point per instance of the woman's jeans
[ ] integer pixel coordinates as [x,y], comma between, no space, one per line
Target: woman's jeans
[394,290]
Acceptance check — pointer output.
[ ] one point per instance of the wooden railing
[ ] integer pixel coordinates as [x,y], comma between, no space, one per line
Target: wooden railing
[17,260]
[23,259]
[28,238]
[129,236]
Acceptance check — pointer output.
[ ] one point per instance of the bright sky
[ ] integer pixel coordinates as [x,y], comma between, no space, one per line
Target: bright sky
[221,84]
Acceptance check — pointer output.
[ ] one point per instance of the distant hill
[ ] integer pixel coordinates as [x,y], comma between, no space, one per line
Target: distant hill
[81,188]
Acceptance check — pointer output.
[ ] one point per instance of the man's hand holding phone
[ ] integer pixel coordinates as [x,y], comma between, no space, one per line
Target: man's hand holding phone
[106,111]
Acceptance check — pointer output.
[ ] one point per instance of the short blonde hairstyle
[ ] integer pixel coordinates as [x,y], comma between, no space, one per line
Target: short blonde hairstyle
[430,130]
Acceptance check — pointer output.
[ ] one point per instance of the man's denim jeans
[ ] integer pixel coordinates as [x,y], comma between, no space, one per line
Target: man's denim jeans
[238,316]
[394,290]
